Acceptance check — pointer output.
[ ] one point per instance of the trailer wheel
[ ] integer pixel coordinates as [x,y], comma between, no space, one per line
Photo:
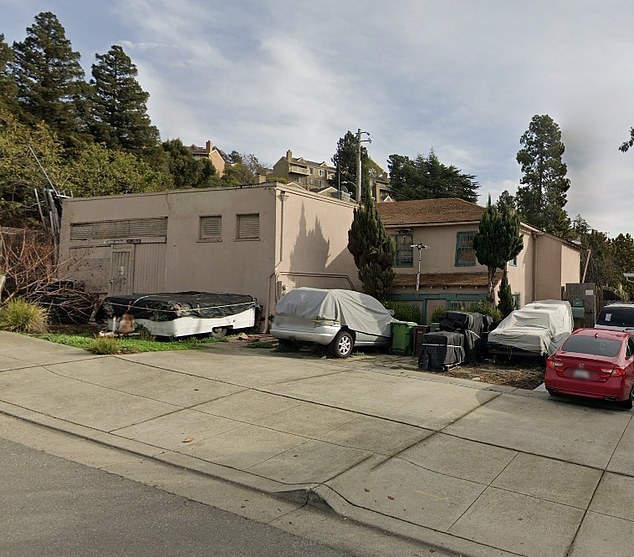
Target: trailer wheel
[219,332]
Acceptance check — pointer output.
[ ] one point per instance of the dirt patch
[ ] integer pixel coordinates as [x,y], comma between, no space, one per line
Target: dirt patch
[522,374]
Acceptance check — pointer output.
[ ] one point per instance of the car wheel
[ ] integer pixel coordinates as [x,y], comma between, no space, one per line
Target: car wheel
[551,392]
[627,403]
[341,346]
[219,332]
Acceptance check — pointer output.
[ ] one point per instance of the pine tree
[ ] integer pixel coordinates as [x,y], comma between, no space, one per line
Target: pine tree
[542,198]
[50,81]
[8,89]
[372,249]
[428,178]
[119,111]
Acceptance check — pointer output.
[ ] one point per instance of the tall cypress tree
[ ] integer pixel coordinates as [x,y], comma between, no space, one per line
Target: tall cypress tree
[372,249]
[499,239]
[119,110]
[50,81]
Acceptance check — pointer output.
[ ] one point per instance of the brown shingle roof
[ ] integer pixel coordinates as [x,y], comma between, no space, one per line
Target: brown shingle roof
[429,211]
[450,280]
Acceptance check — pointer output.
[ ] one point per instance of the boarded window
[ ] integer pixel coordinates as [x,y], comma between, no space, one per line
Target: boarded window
[117,229]
[465,254]
[248,227]
[211,228]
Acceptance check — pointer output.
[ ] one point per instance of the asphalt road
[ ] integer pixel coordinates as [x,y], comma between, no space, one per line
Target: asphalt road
[53,507]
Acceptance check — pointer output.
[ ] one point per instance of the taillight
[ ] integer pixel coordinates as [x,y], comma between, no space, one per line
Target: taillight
[618,371]
[555,365]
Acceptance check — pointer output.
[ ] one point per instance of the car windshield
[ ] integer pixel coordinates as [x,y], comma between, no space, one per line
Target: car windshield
[592,345]
[617,317]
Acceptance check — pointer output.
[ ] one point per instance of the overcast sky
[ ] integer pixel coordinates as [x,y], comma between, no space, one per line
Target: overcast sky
[461,77]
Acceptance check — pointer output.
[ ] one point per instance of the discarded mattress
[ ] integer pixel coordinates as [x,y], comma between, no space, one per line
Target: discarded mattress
[180,313]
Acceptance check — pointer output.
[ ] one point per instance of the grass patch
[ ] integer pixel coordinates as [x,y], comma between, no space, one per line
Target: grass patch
[125,345]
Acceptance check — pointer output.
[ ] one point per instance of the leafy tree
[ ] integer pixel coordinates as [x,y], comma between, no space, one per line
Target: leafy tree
[542,197]
[50,81]
[20,174]
[372,249]
[119,111]
[186,170]
[242,169]
[102,171]
[345,163]
[427,178]
[499,239]
[506,201]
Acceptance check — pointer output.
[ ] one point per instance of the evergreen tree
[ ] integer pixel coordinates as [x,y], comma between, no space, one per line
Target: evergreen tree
[542,198]
[345,162]
[498,240]
[8,89]
[428,178]
[506,303]
[50,81]
[119,111]
[372,249]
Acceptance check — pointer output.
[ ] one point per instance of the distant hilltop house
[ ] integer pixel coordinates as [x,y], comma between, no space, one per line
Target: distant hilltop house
[450,274]
[211,152]
[320,177]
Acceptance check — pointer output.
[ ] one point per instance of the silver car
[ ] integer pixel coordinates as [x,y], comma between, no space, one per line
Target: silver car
[339,319]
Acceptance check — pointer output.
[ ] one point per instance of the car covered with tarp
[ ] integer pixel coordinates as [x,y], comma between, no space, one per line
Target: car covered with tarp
[341,319]
[177,314]
[535,330]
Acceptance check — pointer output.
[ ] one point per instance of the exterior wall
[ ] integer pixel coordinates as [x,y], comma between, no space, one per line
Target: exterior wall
[312,245]
[570,265]
[440,257]
[302,242]
[548,266]
[521,275]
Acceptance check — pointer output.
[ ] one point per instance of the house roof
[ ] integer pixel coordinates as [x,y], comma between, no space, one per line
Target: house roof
[449,280]
[429,211]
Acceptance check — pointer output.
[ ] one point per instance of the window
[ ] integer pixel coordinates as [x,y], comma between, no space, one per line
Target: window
[248,227]
[211,228]
[403,255]
[119,229]
[322,172]
[465,254]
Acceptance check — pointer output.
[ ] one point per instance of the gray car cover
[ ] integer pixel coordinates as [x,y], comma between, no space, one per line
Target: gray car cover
[357,311]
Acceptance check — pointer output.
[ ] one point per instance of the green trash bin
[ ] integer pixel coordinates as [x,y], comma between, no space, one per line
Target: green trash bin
[402,337]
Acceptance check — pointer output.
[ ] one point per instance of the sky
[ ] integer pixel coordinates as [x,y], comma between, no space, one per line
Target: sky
[460,77]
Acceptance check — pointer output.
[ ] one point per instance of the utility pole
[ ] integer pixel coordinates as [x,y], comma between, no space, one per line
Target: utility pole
[359,141]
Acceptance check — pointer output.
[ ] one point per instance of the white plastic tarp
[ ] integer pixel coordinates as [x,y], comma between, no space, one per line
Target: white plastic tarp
[539,327]
[358,311]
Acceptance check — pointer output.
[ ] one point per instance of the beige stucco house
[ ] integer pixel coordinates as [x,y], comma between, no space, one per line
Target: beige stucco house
[211,152]
[259,240]
[450,275]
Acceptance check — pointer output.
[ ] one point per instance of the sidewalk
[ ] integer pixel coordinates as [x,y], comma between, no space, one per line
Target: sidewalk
[473,468]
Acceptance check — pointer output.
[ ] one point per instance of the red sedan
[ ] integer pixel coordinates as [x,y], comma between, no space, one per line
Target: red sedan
[593,363]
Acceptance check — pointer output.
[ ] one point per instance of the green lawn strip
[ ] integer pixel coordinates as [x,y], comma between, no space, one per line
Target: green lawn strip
[129,344]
